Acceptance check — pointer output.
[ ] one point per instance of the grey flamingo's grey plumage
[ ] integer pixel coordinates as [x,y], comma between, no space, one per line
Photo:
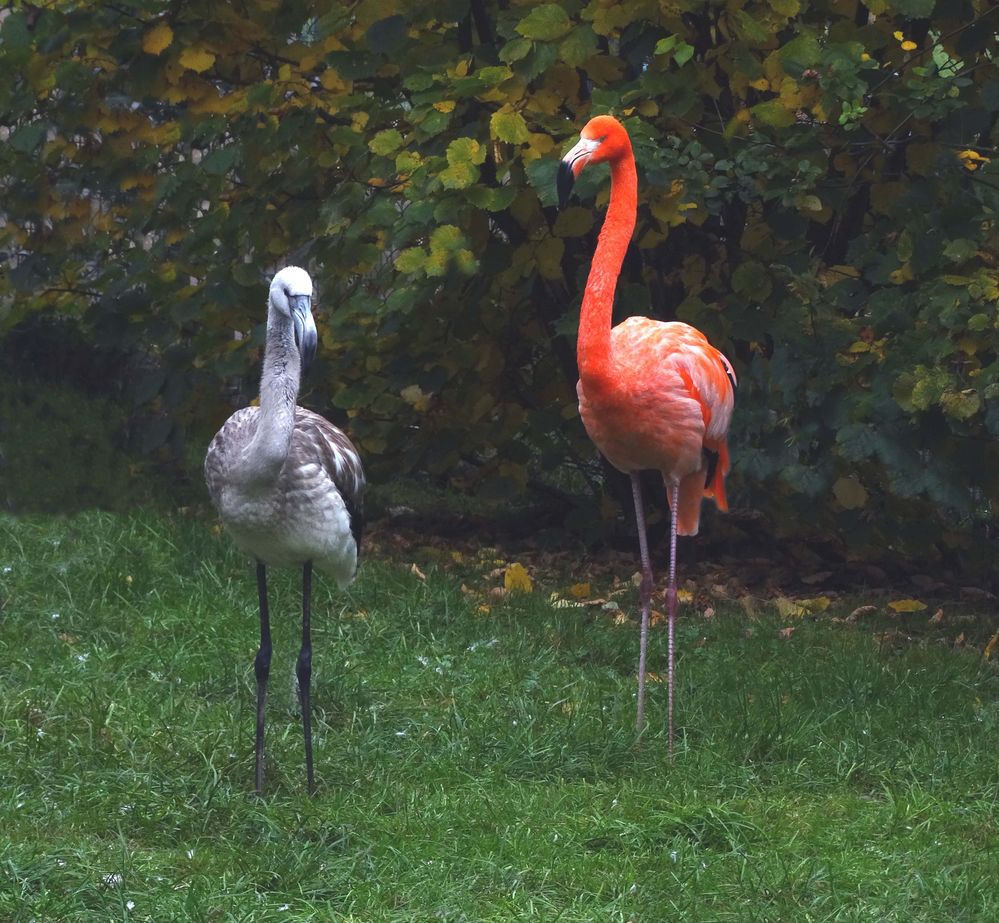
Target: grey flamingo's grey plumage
[287,485]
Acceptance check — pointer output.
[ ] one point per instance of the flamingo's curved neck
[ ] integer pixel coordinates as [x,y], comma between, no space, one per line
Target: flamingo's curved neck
[593,343]
[278,393]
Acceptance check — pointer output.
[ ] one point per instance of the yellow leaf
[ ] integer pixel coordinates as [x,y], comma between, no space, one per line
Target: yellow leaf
[907,605]
[816,603]
[515,577]
[902,274]
[788,608]
[157,38]
[909,46]
[197,58]
[332,81]
[991,646]
[445,105]
[416,397]
[898,35]
[579,590]
[684,596]
[851,494]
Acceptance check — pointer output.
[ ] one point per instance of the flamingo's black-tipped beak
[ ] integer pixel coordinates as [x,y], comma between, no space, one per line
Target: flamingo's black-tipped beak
[306,336]
[564,183]
[572,164]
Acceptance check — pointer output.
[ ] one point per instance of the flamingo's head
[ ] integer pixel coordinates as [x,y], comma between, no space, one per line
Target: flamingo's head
[603,138]
[291,297]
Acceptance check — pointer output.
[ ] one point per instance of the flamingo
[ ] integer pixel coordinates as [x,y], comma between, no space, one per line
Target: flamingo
[287,485]
[652,395]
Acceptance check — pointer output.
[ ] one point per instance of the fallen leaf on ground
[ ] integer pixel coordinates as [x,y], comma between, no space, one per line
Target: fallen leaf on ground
[498,592]
[517,578]
[816,604]
[861,611]
[785,633]
[788,608]
[655,618]
[960,640]
[655,678]
[709,613]
[579,590]
[937,617]
[684,596]
[621,618]
[991,646]
[906,605]
[416,572]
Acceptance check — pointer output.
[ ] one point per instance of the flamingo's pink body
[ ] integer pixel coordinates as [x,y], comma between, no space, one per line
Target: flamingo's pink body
[652,395]
[670,399]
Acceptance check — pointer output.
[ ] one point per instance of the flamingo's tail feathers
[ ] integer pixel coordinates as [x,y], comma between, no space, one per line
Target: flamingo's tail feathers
[717,467]
[688,512]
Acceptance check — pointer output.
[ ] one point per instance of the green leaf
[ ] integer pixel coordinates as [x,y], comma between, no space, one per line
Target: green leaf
[446,237]
[15,32]
[957,251]
[856,441]
[751,279]
[411,259]
[578,46]
[386,142]
[491,198]
[465,150]
[545,23]
[27,138]
[459,175]
[773,113]
[221,161]
[914,9]
[748,28]
[683,53]
[667,44]
[903,249]
[800,53]
[961,404]
[509,126]
[515,50]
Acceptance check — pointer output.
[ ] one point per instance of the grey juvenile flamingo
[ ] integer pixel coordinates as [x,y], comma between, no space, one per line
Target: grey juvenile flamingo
[287,485]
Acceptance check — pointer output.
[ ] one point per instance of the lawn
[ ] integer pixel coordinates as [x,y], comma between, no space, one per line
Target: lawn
[475,756]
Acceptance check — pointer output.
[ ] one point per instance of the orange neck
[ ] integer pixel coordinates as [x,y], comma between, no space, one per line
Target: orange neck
[593,344]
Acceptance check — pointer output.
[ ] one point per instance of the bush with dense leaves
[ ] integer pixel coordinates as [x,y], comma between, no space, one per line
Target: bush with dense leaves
[817,193]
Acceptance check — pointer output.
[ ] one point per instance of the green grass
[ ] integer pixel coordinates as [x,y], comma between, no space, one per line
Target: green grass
[470,766]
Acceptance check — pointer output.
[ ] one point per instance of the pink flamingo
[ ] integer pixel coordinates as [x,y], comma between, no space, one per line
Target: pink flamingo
[652,395]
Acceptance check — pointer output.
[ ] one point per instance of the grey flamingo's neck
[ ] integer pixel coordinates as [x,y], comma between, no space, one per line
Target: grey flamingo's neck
[279,384]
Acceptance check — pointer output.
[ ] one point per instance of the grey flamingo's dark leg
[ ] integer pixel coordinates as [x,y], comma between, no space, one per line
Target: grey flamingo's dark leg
[262,668]
[673,491]
[304,671]
[645,596]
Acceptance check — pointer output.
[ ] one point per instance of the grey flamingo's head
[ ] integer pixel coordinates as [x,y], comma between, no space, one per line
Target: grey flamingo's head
[291,296]
[603,138]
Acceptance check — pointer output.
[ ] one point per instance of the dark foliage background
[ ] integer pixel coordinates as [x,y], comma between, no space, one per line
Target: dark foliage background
[817,193]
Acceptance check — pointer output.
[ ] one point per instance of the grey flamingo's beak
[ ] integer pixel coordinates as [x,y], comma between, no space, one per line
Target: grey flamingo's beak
[572,165]
[306,337]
